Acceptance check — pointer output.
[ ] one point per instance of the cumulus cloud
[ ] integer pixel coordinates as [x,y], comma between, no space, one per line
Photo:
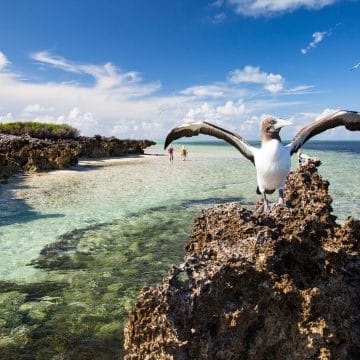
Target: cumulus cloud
[122,104]
[213,113]
[229,108]
[250,74]
[115,98]
[274,7]
[318,37]
[4,62]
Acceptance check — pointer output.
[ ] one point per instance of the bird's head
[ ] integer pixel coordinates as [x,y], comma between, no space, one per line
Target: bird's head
[271,127]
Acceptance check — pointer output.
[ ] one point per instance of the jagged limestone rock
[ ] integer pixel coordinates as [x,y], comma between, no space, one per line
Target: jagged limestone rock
[279,285]
[23,153]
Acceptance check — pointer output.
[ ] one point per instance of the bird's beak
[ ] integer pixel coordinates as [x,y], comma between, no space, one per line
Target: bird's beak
[280,123]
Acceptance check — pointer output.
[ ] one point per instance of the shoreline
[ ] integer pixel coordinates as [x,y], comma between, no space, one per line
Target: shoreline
[91,163]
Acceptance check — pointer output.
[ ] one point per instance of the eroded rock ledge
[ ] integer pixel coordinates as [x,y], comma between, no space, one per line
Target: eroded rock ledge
[284,285]
[23,153]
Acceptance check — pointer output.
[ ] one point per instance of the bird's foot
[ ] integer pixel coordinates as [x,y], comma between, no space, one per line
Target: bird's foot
[269,207]
[265,207]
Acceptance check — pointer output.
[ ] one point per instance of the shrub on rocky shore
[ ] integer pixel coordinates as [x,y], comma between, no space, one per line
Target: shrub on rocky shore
[40,130]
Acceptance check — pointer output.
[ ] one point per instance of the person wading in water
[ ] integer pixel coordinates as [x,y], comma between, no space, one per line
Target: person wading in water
[171,153]
[183,153]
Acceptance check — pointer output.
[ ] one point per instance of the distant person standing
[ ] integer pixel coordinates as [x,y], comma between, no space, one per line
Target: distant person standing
[183,153]
[171,153]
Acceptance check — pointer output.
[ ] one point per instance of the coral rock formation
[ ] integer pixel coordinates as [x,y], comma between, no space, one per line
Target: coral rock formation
[24,153]
[279,285]
[100,146]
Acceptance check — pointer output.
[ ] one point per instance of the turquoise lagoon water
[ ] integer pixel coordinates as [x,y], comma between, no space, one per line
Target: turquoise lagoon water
[118,226]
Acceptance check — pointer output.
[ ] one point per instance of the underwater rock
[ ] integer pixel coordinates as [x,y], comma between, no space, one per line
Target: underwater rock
[24,153]
[279,285]
[36,311]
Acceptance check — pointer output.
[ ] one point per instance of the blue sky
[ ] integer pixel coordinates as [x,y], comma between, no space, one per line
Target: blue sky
[137,68]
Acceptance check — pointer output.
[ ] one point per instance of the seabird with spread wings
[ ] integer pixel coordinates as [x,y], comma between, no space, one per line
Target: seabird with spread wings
[272,160]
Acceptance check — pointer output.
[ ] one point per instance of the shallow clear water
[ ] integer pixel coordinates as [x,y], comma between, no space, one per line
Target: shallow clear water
[123,226]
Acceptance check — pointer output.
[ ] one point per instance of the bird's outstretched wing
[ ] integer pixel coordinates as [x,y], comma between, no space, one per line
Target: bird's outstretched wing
[205,128]
[349,119]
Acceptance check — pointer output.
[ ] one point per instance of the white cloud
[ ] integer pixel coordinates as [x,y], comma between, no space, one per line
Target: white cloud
[204,91]
[56,61]
[36,108]
[6,118]
[230,108]
[106,76]
[203,112]
[4,62]
[250,74]
[325,112]
[81,120]
[217,18]
[217,3]
[301,89]
[118,103]
[115,98]
[216,114]
[318,37]
[274,7]
[122,104]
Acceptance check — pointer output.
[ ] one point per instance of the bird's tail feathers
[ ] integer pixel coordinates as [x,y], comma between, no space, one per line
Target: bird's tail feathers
[266,191]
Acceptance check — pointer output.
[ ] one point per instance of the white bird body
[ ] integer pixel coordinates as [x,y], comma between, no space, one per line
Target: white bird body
[272,163]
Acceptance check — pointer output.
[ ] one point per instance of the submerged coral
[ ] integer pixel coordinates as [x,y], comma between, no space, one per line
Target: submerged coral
[256,285]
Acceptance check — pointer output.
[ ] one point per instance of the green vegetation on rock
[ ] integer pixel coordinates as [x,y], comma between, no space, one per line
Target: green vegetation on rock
[40,130]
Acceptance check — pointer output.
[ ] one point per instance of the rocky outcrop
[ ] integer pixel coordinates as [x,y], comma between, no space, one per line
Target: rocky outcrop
[279,285]
[23,153]
[99,146]
[32,155]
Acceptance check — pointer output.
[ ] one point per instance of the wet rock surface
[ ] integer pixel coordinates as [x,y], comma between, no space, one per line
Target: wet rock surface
[279,285]
[23,153]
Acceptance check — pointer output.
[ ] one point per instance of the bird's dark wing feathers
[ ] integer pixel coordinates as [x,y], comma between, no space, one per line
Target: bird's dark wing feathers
[205,128]
[349,119]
